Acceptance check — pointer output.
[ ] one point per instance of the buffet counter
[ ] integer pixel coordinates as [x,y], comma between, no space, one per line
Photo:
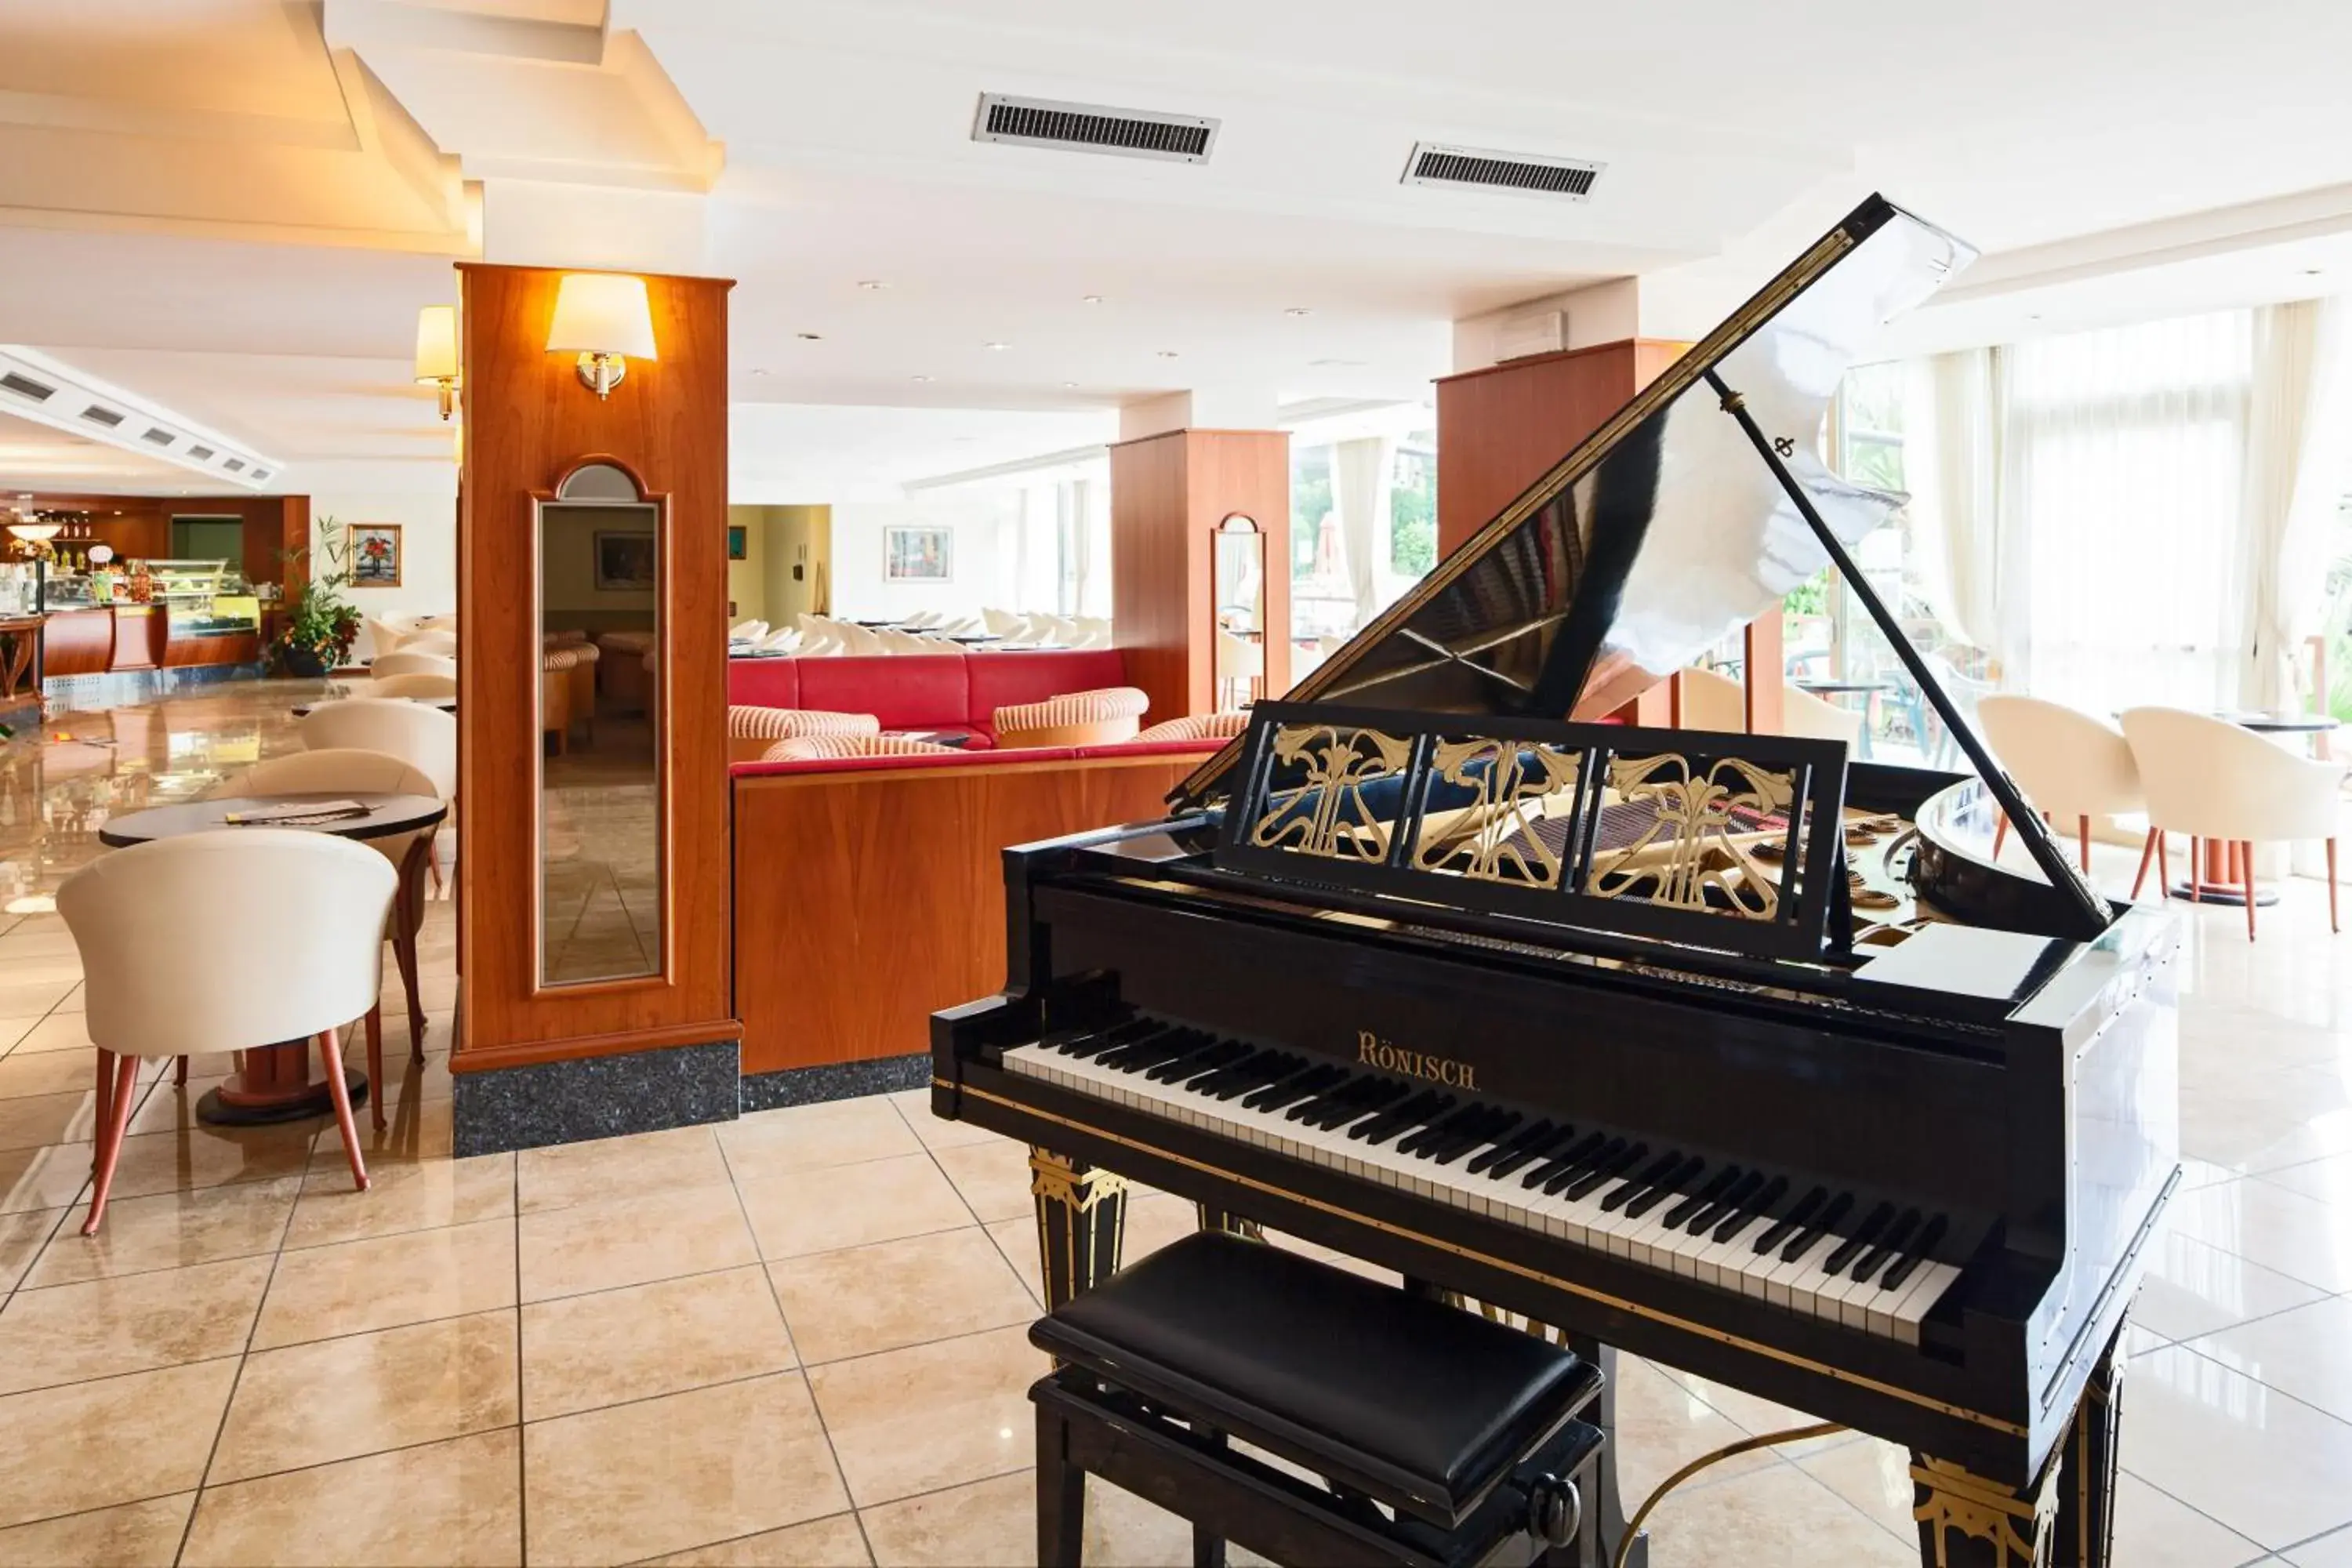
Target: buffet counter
[200,613]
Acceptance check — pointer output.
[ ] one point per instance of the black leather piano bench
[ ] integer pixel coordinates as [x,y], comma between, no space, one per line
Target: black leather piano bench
[1442,1439]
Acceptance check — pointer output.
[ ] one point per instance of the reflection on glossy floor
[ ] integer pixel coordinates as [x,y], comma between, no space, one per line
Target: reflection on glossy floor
[601,856]
[798,1339]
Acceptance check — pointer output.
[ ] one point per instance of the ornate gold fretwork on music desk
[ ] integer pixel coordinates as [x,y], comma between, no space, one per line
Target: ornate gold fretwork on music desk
[1081,1223]
[1693,847]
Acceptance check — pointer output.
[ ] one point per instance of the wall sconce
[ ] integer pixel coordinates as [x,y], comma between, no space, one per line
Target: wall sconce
[604,319]
[437,354]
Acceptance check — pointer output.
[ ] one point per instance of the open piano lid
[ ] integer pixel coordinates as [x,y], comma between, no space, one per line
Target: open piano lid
[1693,510]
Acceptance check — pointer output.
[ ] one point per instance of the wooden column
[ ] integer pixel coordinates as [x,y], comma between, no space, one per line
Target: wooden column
[529,422]
[1499,430]
[1167,495]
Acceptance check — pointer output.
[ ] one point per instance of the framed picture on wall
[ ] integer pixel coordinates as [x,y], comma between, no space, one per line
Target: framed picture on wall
[375,554]
[918,555]
[739,543]
[624,561]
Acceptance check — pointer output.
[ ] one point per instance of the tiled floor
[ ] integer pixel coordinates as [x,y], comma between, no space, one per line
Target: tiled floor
[797,1339]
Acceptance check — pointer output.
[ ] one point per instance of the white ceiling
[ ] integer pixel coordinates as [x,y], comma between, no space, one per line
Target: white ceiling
[248,242]
[38,458]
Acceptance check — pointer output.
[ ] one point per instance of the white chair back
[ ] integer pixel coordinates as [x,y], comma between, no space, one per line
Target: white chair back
[999,622]
[2069,764]
[443,644]
[416,688]
[384,634]
[423,737]
[341,770]
[410,663]
[747,631]
[856,639]
[2211,779]
[446,622]
[167,976]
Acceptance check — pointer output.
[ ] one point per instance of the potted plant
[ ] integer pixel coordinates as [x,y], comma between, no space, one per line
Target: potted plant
[320,626]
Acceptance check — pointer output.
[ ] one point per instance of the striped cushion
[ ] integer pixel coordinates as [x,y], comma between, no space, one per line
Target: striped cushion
[793,724]
[807,747]
[1073,707]
[1198,727]
[626,642]
[559,658]
[583,652]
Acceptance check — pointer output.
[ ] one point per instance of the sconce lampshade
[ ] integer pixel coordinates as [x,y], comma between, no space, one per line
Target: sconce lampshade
[602,314]
[436,345]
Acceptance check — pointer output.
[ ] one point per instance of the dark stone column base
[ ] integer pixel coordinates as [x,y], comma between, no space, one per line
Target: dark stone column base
[595,1097]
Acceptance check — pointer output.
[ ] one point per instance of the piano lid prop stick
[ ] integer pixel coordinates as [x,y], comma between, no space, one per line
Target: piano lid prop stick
[2044,850]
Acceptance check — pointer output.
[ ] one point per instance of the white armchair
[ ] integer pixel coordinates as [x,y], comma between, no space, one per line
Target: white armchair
[2070,764]
[2211,779]
[1712,701]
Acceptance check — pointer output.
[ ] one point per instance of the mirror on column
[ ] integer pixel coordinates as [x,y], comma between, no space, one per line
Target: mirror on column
[601,545]
[1238,606]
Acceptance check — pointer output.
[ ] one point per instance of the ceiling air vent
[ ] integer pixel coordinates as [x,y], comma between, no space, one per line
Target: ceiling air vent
[234,465]
[97,416]
[1092,128]
[26,387]
[260,474]
[159,437]
[201,454]
[1434,164]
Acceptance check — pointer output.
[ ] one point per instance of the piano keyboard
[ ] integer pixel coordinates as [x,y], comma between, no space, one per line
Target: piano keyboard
[1796,1246]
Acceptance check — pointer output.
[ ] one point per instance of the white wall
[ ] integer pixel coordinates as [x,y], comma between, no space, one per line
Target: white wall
[986,526]
[422,498]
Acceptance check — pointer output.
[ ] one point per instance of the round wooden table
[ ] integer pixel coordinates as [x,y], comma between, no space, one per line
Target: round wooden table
[274,1083]
[304,709]
[2214,880]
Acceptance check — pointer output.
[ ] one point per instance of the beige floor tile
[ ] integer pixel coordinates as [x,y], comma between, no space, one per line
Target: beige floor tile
[662,1475]
[993,1177]
[2157,1530]
[38,1119]
[933,1416]
[446,1503]
[862,1300]
[414,1194]
[418,1130]
[69,1333]
[629,1241]
[2266,1466]
[40,969]
[835,1542]
[75,1000]
[337,1399]
[36,944]
[1773,1515]
[1153,1220]
[203,1156]
[25,1076]
[584,1351]
[169,1230]
[22,1238]
[606,1168]
[850,1205]
[994,1524]
[382,1283]
[34,1000]
[2283,1231]
[58,1032]
[95,1444]
[1662,1426]
[134,1535]
[2196,1289]
[839,1133]
[2305,1352]
[1017,1240]
[406,1079]
[915,1106]
[2333,1550]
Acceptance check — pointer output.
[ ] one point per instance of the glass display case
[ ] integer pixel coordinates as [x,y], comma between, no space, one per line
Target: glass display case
[205,598]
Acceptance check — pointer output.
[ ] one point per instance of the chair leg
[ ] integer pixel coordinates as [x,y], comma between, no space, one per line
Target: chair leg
[110,1135]
[339,1090]
[1208,1548]
[2163,866]
[1999,833]
[101,1116]
[2242,854]
[2082,836]
[1060,1496]
[375,1065]
[2332,924]
[180,1072]
[404,953]
[2146,858]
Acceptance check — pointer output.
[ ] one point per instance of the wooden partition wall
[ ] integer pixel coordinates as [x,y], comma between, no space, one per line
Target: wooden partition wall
[529,423]
[1167,495]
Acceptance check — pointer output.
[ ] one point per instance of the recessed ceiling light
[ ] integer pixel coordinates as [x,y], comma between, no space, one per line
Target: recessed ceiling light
[1070,384]
[1089,299]
[2313,272]
[759,373]
[922,378]
[872,285]
[810,337]
[1299,310]
[996,346]
[2032,315]
[1166,353]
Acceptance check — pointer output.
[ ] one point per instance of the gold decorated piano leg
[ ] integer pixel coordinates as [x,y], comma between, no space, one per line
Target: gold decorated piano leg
[1968,1521]
[1232,1223]
[1081,1223]
[2086,1504]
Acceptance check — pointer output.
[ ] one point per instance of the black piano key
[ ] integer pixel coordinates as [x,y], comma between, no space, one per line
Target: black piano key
[1494,1125]
[1567,1161]
[1920,1250]
[1837,1209]
[1889,1247]
[1342,1092]
[1794,1220]
[1754,1209]
[1433,1125]
[1730,1203]
[1634,1187]
[1407,1117]
[1516,1144]
[1137,1055]
[1208,1054]
[1270,1070]
[1678,1178]
[1719,1184]
[1859,1242]
[1536,1152]
[1612,1162]
[1094,1045]
[1459,1132]
[1346,1107]
[1249,1068]
[1295,1087]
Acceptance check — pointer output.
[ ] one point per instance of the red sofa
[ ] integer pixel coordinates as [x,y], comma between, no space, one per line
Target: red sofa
[948,693]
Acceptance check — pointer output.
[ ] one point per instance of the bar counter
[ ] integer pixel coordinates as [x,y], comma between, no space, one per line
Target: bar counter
[110,637]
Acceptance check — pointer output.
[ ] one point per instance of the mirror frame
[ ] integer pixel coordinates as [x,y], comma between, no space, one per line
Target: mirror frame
[659,501]
[1236,525]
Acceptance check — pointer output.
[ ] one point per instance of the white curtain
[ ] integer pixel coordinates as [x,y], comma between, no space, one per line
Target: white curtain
[2121,482]
[1361,472]
[2294,475]
[1952,465]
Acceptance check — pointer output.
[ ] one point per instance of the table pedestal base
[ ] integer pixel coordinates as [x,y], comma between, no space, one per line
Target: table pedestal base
[2226,893]
[275,1086]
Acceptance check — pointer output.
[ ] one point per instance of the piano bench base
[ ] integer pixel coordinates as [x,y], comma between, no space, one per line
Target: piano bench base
[1087,1428]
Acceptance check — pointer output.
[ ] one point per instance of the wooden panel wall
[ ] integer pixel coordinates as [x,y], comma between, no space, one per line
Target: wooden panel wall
[1168,494]
[1498,429]
[139,527]
[866,902]
[529,422]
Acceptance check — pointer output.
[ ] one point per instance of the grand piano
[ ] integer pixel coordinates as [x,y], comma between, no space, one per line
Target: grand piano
[1724,1049]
